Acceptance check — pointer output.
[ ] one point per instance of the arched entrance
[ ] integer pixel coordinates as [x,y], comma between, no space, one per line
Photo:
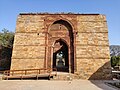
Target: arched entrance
[60,56]
[61,38]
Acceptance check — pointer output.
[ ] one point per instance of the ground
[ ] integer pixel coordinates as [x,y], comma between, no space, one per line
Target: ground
[54,85]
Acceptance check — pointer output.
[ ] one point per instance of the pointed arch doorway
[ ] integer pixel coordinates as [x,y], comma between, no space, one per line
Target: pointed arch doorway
[60,46]
[60,56]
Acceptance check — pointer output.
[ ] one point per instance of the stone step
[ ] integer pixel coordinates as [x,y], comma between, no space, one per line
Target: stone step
[65,76]
[62,76]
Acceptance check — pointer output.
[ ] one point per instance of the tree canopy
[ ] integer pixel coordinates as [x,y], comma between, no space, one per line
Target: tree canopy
[6,38]
[6,44]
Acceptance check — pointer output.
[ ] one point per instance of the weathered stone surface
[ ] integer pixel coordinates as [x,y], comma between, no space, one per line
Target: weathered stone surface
[28,52]
[29,39]
[92,38]
[31,24]
[92,17]
[93,68]
[92,52]
[20,64]
[84,35]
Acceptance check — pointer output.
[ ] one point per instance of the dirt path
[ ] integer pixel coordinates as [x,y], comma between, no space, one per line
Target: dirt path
[53,85]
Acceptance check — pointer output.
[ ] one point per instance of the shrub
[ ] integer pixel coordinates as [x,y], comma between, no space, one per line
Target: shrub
[115,61]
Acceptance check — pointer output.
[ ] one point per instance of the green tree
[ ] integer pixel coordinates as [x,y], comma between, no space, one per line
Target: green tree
[115,61]
[6,43]
[6,38]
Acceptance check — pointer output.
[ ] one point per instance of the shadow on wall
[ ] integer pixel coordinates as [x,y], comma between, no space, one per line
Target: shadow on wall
[101,75]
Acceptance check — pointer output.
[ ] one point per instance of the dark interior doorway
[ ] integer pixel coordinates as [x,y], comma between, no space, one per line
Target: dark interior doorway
[60,56]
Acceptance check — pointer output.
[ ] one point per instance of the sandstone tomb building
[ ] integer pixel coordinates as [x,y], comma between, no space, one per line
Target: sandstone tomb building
[74,43]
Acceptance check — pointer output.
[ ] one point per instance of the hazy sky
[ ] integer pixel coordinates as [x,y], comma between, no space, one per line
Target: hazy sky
[9,9]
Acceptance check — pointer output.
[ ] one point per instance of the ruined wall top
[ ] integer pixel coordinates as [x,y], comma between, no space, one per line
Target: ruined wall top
[62,13]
